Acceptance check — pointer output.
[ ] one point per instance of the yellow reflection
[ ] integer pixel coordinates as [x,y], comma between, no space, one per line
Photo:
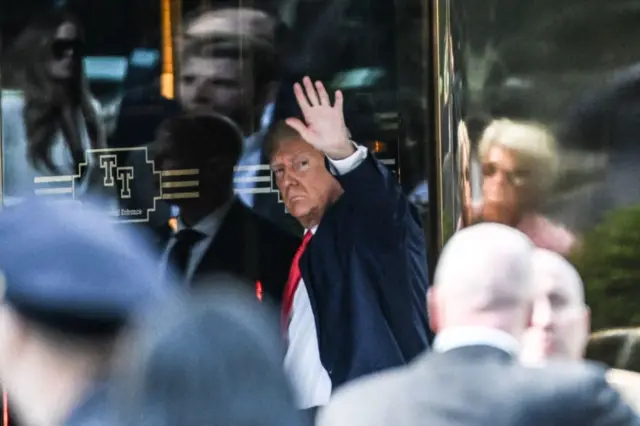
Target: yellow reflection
[167,79]
[173,224]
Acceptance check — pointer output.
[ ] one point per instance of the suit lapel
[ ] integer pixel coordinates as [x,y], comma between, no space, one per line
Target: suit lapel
[306,268]
[232,248]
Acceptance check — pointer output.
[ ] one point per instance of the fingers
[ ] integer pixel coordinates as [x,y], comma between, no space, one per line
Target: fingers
[339,101]
[299,127]
[322,94]
[311,91]
[301,98]
[309,95]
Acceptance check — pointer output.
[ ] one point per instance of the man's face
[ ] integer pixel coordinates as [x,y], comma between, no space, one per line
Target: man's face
[503,185]
[222,85]
[306,185]
[560,323]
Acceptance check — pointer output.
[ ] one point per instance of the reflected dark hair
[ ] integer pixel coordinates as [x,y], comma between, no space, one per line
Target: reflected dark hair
[200,136]
[263,59]
[45,99]
[279,132]
[261,52]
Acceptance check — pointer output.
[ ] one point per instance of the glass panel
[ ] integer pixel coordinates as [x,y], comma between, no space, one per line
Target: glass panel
[87,95]
[549,100]
[64,75]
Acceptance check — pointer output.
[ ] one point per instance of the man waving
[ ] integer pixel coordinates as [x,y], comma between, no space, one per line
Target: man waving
[354,301]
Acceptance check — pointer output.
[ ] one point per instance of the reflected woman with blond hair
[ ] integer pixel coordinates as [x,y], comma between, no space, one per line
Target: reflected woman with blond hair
[520,164]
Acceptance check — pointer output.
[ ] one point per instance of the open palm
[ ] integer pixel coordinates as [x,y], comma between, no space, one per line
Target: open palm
[324,126]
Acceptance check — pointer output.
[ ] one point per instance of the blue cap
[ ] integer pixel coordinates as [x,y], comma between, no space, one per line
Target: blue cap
[68,266]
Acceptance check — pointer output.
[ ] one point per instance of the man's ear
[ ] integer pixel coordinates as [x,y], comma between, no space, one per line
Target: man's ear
[13,334]
[432,309]
[587,318]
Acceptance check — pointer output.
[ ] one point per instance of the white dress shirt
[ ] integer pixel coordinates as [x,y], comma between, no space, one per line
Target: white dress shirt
[208,226]
[459,337]
[302,362]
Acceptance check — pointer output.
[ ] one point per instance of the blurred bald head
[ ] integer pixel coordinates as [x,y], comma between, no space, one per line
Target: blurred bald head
[483,278]
[560,320]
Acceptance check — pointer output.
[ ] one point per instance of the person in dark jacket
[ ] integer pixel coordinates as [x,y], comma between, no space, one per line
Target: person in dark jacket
[355,295]
[216,232]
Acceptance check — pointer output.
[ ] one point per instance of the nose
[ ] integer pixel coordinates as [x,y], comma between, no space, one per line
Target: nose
[288,180]
[543,315]
[500,178]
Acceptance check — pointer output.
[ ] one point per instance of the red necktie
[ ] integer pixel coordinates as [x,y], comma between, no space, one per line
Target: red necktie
[292,282]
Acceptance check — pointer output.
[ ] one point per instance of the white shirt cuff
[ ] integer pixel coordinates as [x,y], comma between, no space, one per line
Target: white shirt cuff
[344,166]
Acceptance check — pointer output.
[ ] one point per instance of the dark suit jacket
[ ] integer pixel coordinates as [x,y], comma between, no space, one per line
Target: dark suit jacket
[480,385]
[366,274]
[250,247]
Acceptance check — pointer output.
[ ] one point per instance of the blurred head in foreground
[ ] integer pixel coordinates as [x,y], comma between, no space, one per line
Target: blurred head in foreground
[70,281]
[211,359]
[483,279]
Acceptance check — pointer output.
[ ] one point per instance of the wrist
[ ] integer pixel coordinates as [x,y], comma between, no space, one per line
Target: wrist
[346,149]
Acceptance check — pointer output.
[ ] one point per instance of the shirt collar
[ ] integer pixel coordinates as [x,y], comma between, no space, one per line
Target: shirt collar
[313,230]
[458,337]
[209,224]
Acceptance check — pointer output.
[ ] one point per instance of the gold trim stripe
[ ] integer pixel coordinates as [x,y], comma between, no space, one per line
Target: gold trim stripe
[50,179]
[184,172]
[180,195]
[179,184]
[53,191]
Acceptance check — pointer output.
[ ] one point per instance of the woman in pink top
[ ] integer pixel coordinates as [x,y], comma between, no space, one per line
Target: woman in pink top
[519,166]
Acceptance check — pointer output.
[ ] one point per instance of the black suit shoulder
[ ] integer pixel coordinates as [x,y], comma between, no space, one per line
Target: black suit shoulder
[271,231]
[277,248]
[580,392]
[253,248]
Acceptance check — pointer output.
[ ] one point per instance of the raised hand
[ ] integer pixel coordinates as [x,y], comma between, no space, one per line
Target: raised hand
[325,128]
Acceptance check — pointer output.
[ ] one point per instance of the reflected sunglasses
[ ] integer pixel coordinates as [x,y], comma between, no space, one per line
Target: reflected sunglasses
[61,46]
[514,177]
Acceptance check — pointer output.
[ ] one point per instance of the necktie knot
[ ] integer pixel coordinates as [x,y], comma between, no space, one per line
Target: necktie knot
[305,240]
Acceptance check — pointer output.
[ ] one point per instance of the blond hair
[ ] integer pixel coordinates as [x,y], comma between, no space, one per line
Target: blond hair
[533,145]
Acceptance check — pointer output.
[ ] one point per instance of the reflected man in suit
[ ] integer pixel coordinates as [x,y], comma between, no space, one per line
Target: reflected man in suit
[560,322]
[355,294]
[217,233]
[229,66]
[480,305]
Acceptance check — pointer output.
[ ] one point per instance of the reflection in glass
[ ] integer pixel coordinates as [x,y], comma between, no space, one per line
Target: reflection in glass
[51,120]
[559,150]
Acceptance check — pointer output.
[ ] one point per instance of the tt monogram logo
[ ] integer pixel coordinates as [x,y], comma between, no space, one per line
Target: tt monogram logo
[109,165]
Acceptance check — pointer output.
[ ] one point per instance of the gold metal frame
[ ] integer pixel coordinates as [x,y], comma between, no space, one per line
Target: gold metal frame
[437,209]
